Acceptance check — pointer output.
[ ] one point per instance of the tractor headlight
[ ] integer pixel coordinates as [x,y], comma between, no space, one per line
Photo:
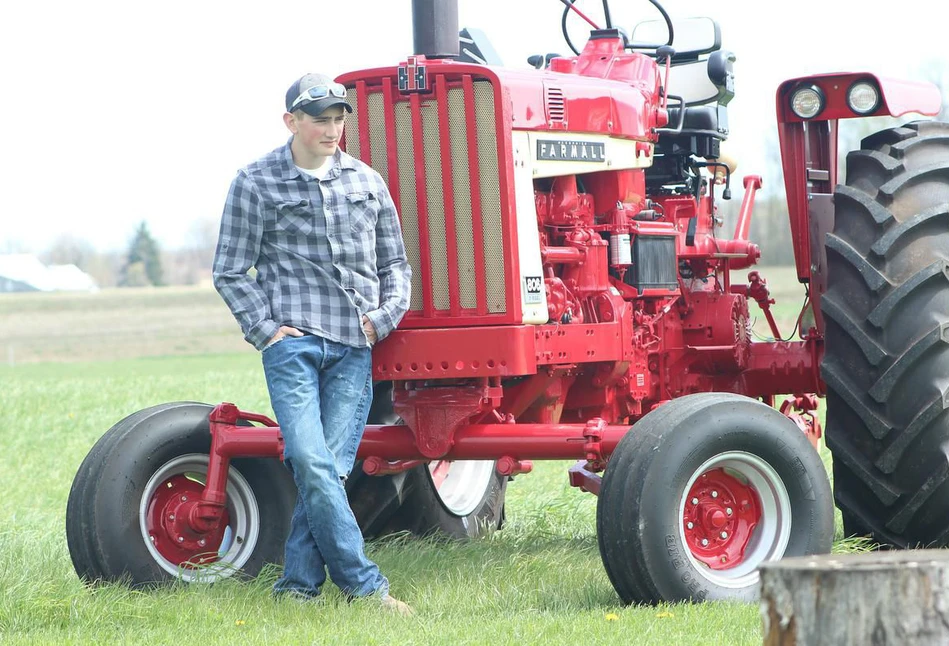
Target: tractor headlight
[863,97]
[807,101]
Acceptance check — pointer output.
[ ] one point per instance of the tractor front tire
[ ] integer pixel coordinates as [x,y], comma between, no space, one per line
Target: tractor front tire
[886,362]
[703,490]
[460,499]
[113,532]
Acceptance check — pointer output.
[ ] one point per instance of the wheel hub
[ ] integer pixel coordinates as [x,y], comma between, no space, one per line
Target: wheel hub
[720,516]
[168,527]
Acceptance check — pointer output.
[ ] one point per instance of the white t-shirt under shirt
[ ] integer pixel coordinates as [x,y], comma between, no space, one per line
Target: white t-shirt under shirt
[318,173]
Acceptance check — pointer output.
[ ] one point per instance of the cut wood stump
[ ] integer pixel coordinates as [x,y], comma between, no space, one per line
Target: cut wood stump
[869,599]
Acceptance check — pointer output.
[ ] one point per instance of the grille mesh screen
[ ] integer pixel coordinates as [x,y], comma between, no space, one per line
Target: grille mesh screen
[437,244]
[377,135]
[352,127]
[408,208]
[490,195]
[464,230]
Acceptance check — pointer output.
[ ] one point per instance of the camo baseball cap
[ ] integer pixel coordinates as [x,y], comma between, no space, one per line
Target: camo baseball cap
[314,93]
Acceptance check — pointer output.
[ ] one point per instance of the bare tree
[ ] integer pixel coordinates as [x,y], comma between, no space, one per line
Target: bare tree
[69,249]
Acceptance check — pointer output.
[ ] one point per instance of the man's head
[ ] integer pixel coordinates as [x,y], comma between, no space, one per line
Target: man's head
[316,113]
[314,93]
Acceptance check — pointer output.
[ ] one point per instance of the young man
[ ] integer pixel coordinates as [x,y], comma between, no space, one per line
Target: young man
[332,279]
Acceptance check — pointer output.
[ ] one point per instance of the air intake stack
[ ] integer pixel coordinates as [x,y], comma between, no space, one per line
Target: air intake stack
[435,28]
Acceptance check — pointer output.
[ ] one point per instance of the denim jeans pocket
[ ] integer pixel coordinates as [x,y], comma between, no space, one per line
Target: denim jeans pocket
[273,343]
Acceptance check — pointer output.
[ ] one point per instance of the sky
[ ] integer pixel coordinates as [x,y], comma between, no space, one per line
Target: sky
[116,112]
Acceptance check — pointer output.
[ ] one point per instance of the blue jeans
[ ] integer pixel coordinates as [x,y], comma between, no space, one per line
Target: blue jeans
[321,391]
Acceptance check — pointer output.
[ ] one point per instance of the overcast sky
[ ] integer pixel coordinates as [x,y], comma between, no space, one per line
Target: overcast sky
[116,112]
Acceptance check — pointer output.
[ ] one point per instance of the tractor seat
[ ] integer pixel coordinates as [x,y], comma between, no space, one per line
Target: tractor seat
[702,118]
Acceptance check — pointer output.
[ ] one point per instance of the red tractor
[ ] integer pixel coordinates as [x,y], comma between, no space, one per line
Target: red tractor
[573,297]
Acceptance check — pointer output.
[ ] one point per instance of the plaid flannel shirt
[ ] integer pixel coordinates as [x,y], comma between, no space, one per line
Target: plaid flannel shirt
[326,251]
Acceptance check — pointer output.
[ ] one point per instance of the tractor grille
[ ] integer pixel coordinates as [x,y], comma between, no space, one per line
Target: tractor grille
[442,170]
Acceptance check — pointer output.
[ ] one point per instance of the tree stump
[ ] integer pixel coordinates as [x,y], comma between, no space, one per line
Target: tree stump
[876,598]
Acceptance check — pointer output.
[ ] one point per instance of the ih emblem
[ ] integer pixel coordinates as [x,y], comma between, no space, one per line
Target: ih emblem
[412,76]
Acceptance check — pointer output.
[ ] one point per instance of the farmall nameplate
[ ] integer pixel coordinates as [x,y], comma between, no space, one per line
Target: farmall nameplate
[582,151]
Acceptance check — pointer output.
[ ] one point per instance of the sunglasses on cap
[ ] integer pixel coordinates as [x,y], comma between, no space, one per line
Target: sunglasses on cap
[320,92]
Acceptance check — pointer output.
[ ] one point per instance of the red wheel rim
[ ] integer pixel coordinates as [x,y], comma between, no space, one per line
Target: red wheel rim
[719,519]
[168,530]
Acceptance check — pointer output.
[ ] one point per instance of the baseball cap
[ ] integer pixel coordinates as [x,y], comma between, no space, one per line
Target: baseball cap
[314,93]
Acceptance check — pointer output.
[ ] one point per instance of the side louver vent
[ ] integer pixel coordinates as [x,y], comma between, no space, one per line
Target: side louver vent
[556,111]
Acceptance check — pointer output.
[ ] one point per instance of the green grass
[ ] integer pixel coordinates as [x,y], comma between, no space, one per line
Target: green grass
[538,580]
[83,362]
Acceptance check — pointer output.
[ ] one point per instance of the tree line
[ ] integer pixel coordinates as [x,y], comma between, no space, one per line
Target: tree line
[144,262]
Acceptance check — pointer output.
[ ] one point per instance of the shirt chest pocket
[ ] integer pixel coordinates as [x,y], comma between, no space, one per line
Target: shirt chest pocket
[293,218]
[362,211]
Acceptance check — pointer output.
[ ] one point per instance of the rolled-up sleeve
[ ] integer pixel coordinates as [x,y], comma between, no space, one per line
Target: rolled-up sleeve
[395,274]
[238,249]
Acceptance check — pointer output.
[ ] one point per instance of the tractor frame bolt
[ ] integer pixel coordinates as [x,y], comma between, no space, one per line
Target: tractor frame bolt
[714,494]
[704,542]
[695,501]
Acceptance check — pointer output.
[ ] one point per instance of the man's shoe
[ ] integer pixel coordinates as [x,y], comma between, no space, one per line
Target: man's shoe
[297,595]
[391,603]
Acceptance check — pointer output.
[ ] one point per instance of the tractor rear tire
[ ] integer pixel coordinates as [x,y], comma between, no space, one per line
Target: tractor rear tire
[145,458]
[461,499]
[703,490]
[886,362]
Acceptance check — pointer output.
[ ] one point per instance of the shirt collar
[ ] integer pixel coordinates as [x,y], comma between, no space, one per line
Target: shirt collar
[341,161]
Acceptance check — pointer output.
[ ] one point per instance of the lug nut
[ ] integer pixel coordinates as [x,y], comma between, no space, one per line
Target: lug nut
[724,559]
[184,499]
[689,525]
[181,539]
[202,542]
[714,494]
[728,510]
[724,534]
[695,501]
[171,517]
[704,542]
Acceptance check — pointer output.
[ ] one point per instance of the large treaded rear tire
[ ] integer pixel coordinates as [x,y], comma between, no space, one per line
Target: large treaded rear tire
[886,362]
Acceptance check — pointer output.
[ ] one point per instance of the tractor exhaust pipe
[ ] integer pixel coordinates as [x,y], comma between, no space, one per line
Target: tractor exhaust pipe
[435,28]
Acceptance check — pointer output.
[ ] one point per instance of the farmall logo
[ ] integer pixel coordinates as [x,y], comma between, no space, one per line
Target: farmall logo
[582,151]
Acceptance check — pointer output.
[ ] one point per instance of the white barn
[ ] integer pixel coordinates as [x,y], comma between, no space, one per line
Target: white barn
[23,272]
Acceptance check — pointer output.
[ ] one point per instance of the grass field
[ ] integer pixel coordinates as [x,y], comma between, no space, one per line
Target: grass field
[77,364]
